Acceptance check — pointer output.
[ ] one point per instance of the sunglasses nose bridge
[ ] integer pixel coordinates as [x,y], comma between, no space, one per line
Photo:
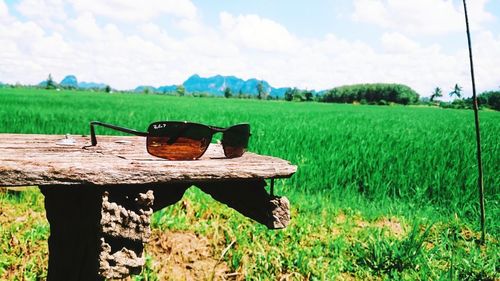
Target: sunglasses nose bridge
[217,129]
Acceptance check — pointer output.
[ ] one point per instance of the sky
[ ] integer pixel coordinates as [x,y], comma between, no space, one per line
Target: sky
[316,44]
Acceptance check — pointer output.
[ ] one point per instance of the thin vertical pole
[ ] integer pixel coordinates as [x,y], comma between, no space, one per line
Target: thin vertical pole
[272,187]
[478,135]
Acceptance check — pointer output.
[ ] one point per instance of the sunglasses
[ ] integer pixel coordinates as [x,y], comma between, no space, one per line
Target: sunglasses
[175,140]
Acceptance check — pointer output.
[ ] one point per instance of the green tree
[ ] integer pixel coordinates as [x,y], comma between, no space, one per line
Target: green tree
[50,83]
[490,99]
[308,95]
[288,94]
[371,94]
[260,91]
[181,91]
[457,91]
[227,92]
[107,89]
[436,94]
[297,94]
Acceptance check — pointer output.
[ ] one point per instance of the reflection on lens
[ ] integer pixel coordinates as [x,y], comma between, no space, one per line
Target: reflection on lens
[235,140]
[181,149]
[178,140]
[232,151]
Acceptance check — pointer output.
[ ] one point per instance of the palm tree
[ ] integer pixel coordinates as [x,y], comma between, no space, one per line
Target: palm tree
[436,94]
[457,91]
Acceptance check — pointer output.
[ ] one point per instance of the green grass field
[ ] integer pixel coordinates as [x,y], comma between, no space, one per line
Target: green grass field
[381,192]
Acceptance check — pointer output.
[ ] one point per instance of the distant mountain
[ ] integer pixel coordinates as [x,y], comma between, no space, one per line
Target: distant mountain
[217,84]
[160,90]
[91,85]
[140,89]
[214,85]
[166,89]
[42,84]
[69,81]
[278,92]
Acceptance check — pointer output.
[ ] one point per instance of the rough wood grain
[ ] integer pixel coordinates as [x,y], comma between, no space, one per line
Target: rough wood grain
[65,160]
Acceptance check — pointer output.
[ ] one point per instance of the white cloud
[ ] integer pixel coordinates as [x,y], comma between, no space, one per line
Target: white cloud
[4,11]
[432,17]
[48,14]
[136,11]
[487,60]
[86,25]
[154,32]
[42,9]
[28,54]
[398,43]
[372,12]
[254,32]
[146,52]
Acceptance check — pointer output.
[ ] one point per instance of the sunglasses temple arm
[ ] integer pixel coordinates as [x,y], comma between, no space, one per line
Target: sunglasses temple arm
[114,127]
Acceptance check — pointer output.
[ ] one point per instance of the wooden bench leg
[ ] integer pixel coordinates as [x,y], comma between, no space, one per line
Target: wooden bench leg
[250,198]
[99,232]
[73,214]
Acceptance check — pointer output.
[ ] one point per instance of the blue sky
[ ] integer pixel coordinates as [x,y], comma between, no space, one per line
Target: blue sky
[316,44]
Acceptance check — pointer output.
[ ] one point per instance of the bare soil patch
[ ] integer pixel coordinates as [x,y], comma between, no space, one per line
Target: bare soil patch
[185,256]
[392,224]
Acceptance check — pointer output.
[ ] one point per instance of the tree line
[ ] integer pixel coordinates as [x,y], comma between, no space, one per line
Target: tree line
[375,93]
[488,99]
[378,93]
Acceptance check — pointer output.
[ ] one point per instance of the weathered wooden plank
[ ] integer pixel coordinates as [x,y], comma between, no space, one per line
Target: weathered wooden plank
[68,160]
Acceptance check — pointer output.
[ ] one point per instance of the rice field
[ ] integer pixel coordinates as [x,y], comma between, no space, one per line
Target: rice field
[381,192]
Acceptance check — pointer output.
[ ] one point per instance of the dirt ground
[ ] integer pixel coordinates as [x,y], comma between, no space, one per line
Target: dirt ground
[185,256]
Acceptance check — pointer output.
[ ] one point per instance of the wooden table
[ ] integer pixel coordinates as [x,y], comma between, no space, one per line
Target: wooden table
[99,200]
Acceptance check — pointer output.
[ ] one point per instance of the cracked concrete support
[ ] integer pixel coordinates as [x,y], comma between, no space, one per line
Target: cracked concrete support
[125,227]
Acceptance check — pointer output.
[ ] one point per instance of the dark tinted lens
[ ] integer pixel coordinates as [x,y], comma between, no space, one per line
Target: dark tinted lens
[235,140]
[178,141]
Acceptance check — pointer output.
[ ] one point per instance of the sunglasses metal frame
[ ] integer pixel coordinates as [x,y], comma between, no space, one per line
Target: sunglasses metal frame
[160,125]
